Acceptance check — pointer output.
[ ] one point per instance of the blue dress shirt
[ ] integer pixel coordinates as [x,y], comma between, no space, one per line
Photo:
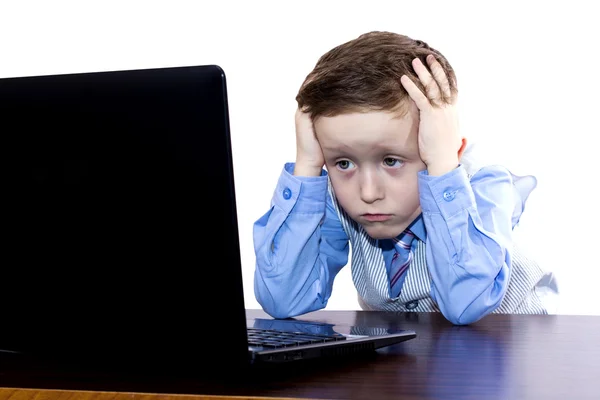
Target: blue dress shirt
[300,244]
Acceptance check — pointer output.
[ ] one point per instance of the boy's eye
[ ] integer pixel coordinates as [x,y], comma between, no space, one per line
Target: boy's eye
[344,164]
[392,162]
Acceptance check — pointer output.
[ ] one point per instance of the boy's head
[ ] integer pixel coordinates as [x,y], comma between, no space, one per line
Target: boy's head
[367,127]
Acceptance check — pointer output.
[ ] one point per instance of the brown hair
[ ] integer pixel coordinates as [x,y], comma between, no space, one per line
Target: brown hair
[364,74]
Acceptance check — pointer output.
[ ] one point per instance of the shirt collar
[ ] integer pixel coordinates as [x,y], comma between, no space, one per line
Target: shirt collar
[418,228]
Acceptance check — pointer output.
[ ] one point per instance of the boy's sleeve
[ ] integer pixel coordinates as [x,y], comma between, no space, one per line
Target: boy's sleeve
[469,226]
[300,247]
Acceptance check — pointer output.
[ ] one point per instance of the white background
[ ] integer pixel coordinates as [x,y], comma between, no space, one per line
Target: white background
[527,73]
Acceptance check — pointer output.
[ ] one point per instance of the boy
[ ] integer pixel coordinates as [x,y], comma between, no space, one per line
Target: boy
[427,233]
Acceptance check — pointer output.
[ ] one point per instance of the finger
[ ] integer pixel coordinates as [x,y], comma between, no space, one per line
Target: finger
[415,93]
[432,89]
[440,76]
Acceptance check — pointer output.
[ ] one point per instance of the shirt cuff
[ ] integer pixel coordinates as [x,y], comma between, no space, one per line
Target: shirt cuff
[447,194]
[300,194]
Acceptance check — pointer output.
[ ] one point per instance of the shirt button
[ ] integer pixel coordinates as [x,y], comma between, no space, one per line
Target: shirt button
[287,193]
[449,196]
[411,305]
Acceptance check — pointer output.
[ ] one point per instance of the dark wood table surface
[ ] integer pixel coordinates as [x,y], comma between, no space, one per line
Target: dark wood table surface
[499,357]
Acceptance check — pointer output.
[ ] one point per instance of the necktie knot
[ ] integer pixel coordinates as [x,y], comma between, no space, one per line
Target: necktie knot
[404,240]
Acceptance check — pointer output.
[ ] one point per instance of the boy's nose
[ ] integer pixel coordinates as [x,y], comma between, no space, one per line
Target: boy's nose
[371,189]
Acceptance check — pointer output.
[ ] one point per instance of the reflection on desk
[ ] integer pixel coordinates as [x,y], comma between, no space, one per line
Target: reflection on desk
[316,328]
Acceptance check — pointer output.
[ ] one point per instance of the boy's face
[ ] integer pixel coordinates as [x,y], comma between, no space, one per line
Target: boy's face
[373,159]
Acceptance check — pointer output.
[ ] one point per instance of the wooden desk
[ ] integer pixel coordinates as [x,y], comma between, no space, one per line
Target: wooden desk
[500,357]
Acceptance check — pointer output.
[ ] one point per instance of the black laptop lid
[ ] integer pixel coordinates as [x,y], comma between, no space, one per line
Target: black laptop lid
[120,228]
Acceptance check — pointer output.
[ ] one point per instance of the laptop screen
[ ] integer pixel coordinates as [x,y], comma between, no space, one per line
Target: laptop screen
[120,226]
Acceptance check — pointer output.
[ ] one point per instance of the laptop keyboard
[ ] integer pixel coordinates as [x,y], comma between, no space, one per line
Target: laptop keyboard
[276,339]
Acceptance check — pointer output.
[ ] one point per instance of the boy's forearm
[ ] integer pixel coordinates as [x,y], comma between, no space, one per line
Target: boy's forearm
[297,258]
[299,245]
[284,279]
[469,240]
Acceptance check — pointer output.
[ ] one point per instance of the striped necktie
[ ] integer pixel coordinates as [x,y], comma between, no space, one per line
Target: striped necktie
[400,261]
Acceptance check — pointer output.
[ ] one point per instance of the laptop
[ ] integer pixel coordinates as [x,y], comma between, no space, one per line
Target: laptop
[121,244]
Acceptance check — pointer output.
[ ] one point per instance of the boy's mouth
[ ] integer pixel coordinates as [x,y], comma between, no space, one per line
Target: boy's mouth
[376,217]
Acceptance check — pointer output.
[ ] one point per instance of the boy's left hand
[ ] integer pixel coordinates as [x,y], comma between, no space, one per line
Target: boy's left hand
[439,138]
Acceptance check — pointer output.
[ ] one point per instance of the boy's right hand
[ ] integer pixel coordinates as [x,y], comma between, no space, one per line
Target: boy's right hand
[309,156]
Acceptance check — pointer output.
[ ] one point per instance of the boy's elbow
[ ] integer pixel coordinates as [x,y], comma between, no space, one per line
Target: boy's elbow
[279,311]
[474,298]
[463,311]
[280,301]
[276,313]
[464,317]
[285,307]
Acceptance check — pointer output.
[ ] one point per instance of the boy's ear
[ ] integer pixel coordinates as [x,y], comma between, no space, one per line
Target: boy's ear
[463,146]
